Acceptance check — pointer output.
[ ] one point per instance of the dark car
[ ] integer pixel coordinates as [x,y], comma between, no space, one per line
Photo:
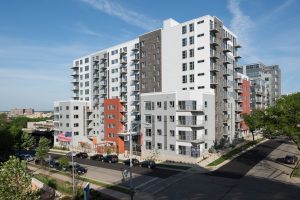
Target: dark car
[79,169]
[82,155]
[53,164]
[110,159]
[290,159]
[98,157]
[148,163]
[134,162]
[41,162]
[70,154]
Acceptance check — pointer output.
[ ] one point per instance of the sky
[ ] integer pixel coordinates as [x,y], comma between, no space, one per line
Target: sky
[39,39]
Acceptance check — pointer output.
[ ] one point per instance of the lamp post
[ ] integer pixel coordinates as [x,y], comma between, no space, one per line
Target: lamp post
[73,177]
[130,160]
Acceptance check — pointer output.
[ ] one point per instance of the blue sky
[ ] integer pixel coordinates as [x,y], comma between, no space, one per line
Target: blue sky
[40,38]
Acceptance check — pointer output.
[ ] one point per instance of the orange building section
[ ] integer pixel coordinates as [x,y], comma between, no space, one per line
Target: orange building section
[113,123]
[246,101]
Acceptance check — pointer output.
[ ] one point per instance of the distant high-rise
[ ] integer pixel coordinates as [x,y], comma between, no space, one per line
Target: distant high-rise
[265,83]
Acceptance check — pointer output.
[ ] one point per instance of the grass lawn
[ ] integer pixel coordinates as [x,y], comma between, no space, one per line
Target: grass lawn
[233,152]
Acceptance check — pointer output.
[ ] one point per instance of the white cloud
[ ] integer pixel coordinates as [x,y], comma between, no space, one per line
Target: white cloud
[242,25]
[81,28]
[131,17]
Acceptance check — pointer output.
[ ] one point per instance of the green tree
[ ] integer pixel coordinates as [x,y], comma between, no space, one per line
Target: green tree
[254,121]
[63,161]
[43,148]
[27,141]
[15,181]
[284,118]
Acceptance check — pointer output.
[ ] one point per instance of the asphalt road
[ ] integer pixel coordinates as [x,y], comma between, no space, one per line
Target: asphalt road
[230,182]
[157,172]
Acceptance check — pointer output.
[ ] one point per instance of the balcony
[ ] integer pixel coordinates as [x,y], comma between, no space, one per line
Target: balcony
[237,57]
[75,80]
[226,60]
[189,137]
[75,88]
[237,46]
[75,96]
[136,109]
[123,70]
[238,87]
[213,54]
[123,89]
[136,78]
[225,120]
[123,51]
[123,110]
[96,67]
[136,67]
[213,81]
[213,28]
[75,73]
[226,37]
[190,123]
[213,67]
[238,119]
[103,91]
[238,66]
[239,99]
[213,41]
[189,108]
[123,61]
[136,47]
[225,96]
[124,79]
[226,84]
[124,120]
[96,76]
[104,58]
[239,109]
[136,89]
[136,57]
[103,83]
[123,99]
[96,92]
[227,48]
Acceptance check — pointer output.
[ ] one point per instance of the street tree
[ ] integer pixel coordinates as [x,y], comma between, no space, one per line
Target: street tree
[15,181]
[254,121]
[284,118]
[63,161]
[27,141]
[42,148]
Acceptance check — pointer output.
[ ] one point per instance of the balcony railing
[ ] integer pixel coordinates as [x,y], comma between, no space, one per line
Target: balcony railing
[189,108]
[191,123]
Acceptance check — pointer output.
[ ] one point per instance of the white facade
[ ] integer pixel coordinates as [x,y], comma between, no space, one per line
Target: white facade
[180,125]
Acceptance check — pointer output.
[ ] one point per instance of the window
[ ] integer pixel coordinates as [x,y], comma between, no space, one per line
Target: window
[201,87]
[148,132]
[148,118]
[183,88]
[200,22]
[201,74]
[67,125]
[192,88]
[75,108]
[191,40]
[76,124]
[67,107]
[165,105]
[76,133]
[148,105]
[205,145]
[159,146]
[111,125]
[172,118]
[200,61]
[148,145]
[111,107]
[111,116]
[172,147]
[192,78]
[86,60]
[158,131]
[200,48]
[86,84]
[87,91]
[200,35]
[184,54]
[158,104]
[184,42]
[80,61]
[67,116]
[205,117]
[172,133]
[184,66]
[86,68]
[158,118]
[171,104]
[76,116]
[191,53]
[191,27]
[191,65]
[205,104]
[205,131]
[184,79]
[183,29]
[81,77]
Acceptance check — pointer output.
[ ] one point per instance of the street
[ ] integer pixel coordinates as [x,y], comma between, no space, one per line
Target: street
[234,180]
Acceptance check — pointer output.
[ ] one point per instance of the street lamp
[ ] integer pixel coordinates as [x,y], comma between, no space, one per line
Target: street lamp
[130,158]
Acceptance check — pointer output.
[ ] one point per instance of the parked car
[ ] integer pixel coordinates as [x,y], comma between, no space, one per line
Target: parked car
[79,169]
[41,162]
[110,159]
[134,162]
[27,157]
[148,163]
[290,159]
[71,153]
[53,164]
[98,157]
[82,155]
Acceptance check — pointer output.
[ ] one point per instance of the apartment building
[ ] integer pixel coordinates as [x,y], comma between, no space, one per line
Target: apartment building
[193,64]
[265,84]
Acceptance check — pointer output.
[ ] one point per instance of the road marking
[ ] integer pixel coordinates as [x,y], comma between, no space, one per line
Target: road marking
[141,185]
